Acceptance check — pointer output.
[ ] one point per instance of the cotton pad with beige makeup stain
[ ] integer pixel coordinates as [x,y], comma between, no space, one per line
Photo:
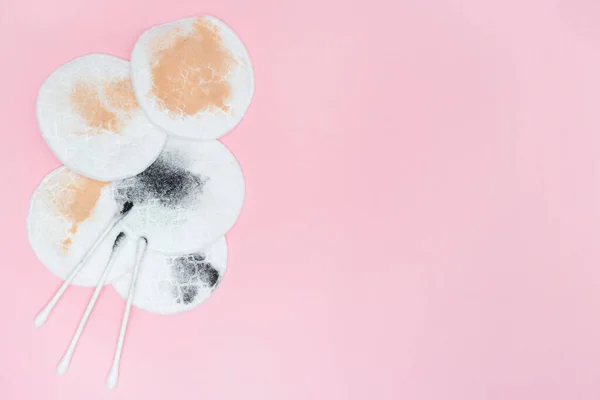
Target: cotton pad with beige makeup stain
[193,77]
[67,213]
[90,118]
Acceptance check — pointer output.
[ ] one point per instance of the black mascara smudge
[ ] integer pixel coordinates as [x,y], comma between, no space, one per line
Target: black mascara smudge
[164,181]
[188,294]
[188,272]
[120,237]
[208,275]
[127,206]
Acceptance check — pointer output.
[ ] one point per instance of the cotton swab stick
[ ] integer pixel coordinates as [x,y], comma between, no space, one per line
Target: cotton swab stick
[63,365]
[43,315]
[113,375]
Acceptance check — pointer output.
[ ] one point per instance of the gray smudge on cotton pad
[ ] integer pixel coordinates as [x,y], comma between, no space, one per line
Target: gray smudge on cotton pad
[166,182]
[187,199]
[174,284]
[192,272]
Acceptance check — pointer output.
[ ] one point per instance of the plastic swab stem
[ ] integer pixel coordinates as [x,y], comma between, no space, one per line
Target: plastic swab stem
[113,375]
[45,313]
[63,365]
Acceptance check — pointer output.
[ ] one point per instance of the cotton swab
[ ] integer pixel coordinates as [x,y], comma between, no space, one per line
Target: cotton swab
[63,365]
[43,315]
[113,375]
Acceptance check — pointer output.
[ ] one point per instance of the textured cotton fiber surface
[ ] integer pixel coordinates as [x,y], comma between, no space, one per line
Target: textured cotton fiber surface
[89,116]
[193,77]
[174,284]
[187,199]
[67,214]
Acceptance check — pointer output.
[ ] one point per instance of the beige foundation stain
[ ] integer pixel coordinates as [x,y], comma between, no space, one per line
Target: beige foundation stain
[104,106]
[119,95]
[190,71]
[76,202]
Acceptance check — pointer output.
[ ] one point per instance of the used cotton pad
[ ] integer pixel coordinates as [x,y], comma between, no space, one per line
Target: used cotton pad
[189,197]
[67,214]
[89,116]
[193,77]
[174,284]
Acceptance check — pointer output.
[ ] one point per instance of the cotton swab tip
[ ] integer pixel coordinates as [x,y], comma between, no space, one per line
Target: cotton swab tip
[113,377]
[127,206]
[41,318]
[63,365]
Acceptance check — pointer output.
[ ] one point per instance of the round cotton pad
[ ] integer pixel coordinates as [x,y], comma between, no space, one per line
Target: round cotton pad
[189,197]
[174,284]
[67,213]
[89,117]
[193,77]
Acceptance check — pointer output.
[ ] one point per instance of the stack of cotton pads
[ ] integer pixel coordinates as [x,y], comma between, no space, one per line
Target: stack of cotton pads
[147,193]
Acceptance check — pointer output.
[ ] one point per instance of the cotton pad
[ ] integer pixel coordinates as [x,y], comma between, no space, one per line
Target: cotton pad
[188,198]
[67,214]
[89,116]
[193,77]
[174,284]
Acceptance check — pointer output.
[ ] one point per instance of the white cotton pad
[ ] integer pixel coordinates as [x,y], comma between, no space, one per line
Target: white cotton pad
[189,197]
[193,77]
[89,117]
[174,284]
[67,214]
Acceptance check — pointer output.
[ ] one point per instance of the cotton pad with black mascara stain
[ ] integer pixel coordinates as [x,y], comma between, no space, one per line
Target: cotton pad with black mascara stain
[173,284]
[90,118]
[164,182]
[188,198]
[67,214]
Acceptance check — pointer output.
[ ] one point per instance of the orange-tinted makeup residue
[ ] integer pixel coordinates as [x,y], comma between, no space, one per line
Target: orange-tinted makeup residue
[87,103]
[77,202]
[110,113]
[119,95]
[190,71]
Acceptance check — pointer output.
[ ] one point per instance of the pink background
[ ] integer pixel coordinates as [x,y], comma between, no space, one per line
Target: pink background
[422,214]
